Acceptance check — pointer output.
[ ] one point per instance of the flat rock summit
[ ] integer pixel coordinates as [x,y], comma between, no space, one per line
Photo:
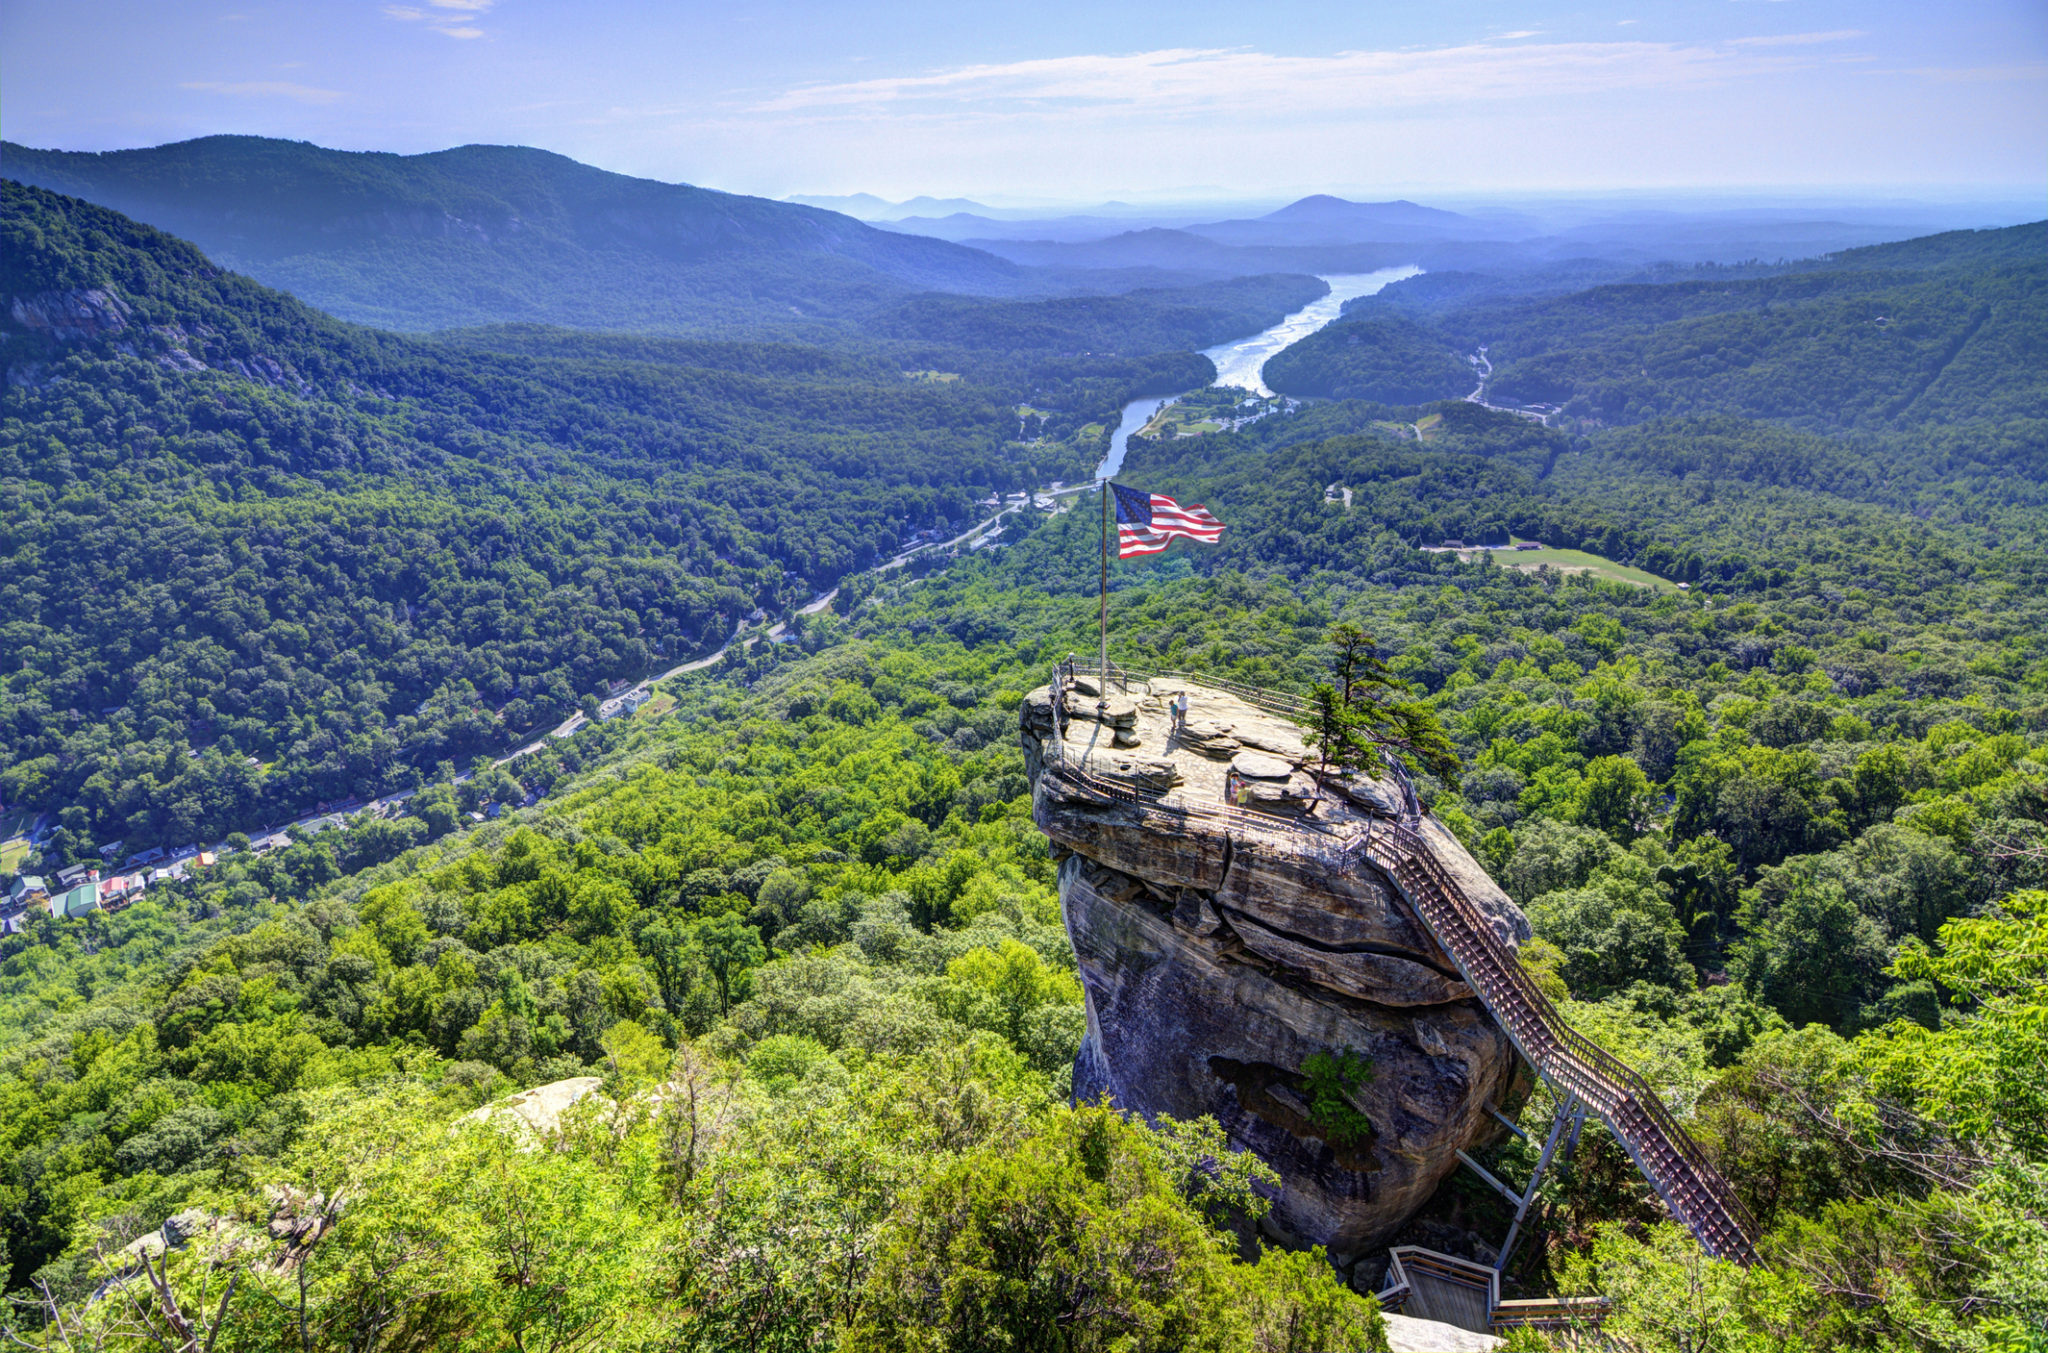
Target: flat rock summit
[1228,929]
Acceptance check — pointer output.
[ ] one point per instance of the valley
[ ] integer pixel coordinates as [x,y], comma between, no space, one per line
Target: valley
[708,882]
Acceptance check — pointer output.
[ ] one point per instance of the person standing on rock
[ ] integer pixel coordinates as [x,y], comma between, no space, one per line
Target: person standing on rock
[1178,708]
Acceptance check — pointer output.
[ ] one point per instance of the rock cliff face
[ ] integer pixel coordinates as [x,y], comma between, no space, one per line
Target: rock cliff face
[1220,952]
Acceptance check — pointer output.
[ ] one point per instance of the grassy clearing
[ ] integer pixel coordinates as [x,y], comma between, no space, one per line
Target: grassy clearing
[12,853]
[1576,561]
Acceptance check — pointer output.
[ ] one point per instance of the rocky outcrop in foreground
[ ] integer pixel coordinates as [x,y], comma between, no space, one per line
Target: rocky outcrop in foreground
[1219,952]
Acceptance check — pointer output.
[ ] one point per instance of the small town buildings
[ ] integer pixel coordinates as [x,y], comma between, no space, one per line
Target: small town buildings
[120,890]
[26,889]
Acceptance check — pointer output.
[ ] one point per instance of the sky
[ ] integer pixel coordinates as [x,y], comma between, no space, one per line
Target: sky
[1078,100]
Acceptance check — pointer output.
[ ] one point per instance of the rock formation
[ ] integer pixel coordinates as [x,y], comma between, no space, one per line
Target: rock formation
[1220,951]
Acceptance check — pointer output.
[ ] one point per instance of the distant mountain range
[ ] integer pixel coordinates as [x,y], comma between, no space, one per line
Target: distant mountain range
[1326,234]
[484,235]
[487,234]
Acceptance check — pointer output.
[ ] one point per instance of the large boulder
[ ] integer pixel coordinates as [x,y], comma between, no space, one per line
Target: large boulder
[1220,951]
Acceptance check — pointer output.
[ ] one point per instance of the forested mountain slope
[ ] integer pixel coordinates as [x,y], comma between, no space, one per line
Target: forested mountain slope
[1943,330]
[241,530]
[495,234]
[811,900]
[1780,835]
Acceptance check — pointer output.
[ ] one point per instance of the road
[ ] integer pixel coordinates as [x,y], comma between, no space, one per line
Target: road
[1484,366]
[744,639]
[1064,491]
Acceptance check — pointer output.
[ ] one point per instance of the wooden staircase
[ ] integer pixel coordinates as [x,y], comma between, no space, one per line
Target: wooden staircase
[1668,1158]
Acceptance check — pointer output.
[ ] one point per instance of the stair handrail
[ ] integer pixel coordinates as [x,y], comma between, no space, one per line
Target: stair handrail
[1584,1066]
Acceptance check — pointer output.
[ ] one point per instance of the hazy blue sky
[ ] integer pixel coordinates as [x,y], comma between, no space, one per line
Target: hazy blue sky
[1078,98]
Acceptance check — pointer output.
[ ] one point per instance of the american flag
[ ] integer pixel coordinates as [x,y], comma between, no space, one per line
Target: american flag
[1146,523]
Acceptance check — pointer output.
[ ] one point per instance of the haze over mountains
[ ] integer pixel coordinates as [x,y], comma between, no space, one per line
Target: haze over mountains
[1326,233]
[506,234]
[489,234]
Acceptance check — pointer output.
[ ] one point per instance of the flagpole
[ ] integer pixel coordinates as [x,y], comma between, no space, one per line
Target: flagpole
[1102,697]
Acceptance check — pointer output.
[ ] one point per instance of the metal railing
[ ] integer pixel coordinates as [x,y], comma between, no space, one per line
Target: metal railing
[1662,1150]
[1666,1154]
[1272,702]
[1073,767]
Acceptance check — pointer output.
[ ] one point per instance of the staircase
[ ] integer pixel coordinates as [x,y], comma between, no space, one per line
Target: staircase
[1668,1158]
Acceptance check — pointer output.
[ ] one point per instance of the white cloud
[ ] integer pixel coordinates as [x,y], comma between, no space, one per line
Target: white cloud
[1186,81]
[266,89]
[452,18]
[1798,39]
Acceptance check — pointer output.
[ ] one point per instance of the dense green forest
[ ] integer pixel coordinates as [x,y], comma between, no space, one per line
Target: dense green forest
[1782,834]
[240,530]
[1389,360]
[1945,331]
[817,878]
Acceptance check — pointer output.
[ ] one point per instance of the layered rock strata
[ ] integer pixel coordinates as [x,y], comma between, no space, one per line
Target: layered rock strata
[1219,951]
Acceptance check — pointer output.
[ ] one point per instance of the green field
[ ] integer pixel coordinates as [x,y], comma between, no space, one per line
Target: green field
[1576,561]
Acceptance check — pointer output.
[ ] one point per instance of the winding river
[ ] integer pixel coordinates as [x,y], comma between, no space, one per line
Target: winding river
[1240,363]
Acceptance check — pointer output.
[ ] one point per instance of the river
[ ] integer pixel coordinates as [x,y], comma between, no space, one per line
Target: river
[1241,362]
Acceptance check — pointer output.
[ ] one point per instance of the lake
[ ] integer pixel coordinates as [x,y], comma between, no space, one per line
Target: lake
[1240,362]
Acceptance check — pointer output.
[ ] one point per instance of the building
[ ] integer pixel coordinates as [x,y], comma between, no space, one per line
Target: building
[118,891]
[27,889]
[71,905]
[623,704]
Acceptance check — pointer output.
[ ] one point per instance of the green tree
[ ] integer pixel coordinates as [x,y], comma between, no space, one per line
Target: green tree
[1078,1238]
[1613,797]
[730,946]
[1369,711]
[1815,958]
